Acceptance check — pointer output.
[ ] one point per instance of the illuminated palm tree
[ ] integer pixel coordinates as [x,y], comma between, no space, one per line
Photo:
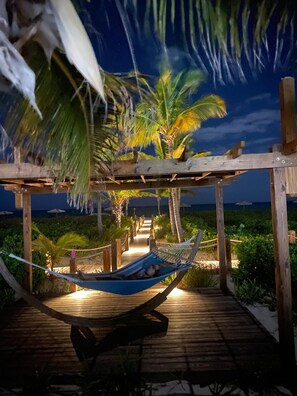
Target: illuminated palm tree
[119,198]
[168,115]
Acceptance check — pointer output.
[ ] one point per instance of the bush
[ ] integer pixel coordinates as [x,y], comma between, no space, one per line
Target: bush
[195,277]
[14,244]
[198,277]
[256,263]
[250,293]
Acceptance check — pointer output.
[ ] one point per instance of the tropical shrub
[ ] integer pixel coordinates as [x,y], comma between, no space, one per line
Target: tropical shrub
[250,293]
[256,262]
[198,277]
[14,244]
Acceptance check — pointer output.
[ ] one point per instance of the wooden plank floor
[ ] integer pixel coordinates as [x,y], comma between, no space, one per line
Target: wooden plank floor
[209,336]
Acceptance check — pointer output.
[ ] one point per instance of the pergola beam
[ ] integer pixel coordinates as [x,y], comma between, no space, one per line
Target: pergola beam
[149,185]
[164,166]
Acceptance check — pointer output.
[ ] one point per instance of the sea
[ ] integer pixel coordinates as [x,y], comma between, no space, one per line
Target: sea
[153,210]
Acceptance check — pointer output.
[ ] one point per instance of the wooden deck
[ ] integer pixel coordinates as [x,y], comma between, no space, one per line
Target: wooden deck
[209,337]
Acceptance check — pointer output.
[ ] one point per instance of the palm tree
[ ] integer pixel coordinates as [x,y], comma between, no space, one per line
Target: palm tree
[56,250]
[119,198]
[167,115]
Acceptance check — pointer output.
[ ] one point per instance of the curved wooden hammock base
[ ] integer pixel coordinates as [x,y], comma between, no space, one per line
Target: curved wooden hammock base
[82,321]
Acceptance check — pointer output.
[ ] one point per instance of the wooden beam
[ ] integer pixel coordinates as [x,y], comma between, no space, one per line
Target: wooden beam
[113,179]
[24,171]
[173,177]
[282,265]
[125,186]
[204,174]
[27,234]
[221,236]
[236,151]
[168,167]
[288,112]
[211,164]
[234,174]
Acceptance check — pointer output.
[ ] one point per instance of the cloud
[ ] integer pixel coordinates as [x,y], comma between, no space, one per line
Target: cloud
[256,122]
[258,98]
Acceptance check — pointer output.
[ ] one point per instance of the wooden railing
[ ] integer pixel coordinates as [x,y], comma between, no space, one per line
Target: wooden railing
[111,253]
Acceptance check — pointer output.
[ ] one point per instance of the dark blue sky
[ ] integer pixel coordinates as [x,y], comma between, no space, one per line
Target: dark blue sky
[253,111]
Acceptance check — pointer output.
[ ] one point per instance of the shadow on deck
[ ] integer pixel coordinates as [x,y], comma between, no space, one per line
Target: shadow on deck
[210,337]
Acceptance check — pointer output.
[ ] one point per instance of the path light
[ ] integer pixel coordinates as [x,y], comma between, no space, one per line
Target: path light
[176,293]
[81,294]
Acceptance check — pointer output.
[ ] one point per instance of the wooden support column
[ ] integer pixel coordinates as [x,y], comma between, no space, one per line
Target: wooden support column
[282,265]
[221,236]
[27,235]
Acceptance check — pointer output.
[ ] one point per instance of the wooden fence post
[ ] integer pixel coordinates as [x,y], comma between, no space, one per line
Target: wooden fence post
[292,236]
[106,260]
[73,269]
[134,229]
[152,243]
[131,234]
[126,244]
[116,250]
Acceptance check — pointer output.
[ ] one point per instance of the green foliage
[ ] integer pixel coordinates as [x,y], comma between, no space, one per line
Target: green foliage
[198,277]
[162,224]
[250,293]
[195,277]
[193,223]
[14,244]
[256,262]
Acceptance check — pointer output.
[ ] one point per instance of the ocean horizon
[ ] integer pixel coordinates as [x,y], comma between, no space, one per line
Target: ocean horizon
[153,210]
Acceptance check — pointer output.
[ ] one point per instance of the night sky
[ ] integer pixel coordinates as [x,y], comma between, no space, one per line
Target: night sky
[253,111]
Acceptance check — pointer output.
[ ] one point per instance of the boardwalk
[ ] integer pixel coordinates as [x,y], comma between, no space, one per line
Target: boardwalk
[202,336]
[139,246]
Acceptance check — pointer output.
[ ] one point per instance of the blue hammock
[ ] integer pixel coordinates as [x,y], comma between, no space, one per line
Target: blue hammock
[126,280]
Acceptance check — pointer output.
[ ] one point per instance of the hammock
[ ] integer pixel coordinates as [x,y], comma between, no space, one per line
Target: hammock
[135,277]
[83,321]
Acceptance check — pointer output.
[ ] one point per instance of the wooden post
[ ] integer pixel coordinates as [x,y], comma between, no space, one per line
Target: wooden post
[282,265]
[228,254]
[131,234]
[134,229]
[73,269]
[126,245]
[27,235]
[116,253]
[106,260]
[292,236]
[221,237]
[152,243]
[288,111]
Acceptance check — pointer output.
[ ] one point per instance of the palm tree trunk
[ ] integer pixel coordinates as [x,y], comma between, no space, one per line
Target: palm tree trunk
[99,213]
[171,215]
[117,211]
[126,207]
[159,207]
[176,213]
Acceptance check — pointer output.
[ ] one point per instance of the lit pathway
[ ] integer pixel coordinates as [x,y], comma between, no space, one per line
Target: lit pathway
[140,245]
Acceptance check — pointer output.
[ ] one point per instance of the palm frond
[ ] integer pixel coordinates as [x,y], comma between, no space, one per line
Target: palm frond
[222,35]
